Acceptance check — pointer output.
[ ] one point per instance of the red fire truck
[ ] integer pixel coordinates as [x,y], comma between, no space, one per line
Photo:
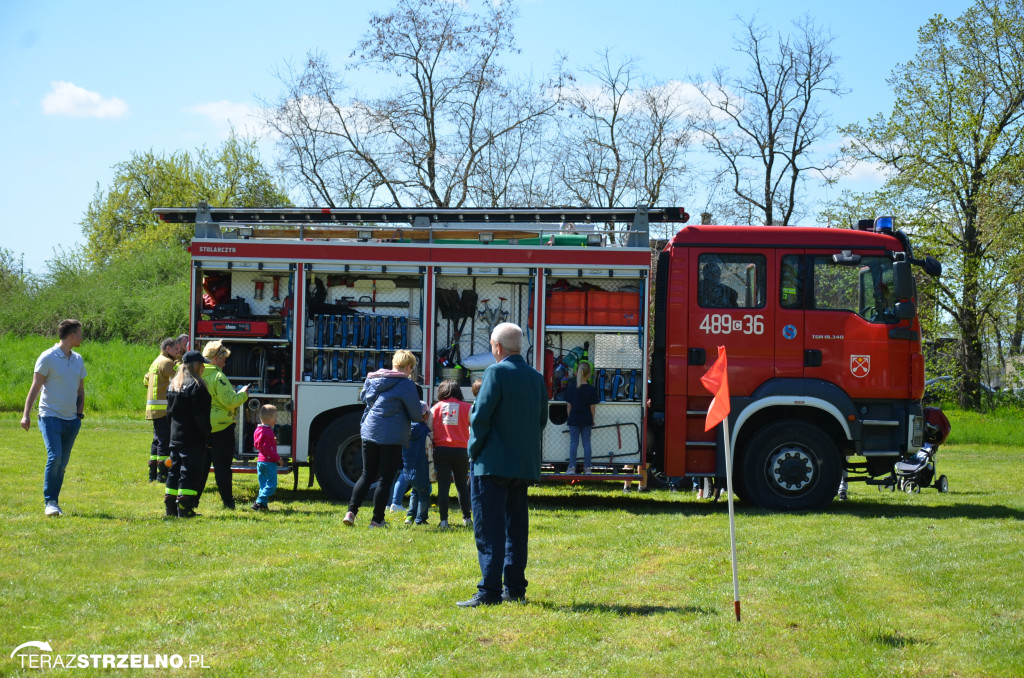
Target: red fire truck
[825,363]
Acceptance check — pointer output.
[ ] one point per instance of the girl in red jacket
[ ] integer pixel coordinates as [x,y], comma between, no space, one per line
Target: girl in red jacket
[450,424]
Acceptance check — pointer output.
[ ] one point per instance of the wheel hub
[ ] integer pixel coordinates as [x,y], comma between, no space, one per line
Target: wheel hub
[791,468]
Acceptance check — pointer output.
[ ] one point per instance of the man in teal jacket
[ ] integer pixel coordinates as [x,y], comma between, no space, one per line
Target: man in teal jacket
[505,425]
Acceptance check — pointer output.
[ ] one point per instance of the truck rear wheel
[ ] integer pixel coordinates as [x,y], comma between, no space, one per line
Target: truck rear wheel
[791,465]
[338,458]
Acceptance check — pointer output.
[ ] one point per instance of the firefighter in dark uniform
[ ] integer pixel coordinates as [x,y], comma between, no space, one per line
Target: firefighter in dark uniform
[157,378]
[188,407]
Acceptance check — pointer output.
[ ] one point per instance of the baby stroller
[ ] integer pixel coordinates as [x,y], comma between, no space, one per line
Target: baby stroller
[913,472]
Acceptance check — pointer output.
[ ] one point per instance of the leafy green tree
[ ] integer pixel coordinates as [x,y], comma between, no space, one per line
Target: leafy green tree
[13,278]
[953,145]
[119,220]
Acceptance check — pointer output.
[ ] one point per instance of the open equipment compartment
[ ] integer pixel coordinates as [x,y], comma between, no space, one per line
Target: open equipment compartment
[598,316]
[247,308]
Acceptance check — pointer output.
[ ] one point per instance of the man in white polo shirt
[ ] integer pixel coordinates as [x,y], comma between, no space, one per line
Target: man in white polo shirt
[60,376]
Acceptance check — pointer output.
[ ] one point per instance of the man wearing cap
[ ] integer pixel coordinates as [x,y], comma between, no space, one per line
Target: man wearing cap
[505,424]
[226,402]
[157,378]
[60,376]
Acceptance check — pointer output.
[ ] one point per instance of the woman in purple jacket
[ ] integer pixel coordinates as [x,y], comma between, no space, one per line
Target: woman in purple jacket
[392,404]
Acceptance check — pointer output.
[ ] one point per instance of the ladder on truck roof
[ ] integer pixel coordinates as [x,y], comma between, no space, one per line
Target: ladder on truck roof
[423,224]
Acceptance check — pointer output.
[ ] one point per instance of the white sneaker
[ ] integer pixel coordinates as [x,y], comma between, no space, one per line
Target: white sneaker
[570,470]
[443,525]
[467,522]
[396,508]
[586,470]
[349,519]
[52,509]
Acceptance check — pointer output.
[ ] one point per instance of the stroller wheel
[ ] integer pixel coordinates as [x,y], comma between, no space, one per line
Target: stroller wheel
[911,487]
[942,484]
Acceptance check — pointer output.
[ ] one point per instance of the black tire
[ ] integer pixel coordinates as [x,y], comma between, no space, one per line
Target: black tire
[792,466]
[656,480]
[942,484]
[338,459]
[738,487]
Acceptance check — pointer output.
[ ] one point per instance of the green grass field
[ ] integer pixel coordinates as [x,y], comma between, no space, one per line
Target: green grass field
[114,384]
[884,584]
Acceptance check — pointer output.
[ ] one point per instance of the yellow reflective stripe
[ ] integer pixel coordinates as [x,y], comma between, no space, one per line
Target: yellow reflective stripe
[171,491]
[153,457]
[187,493]
[162,458]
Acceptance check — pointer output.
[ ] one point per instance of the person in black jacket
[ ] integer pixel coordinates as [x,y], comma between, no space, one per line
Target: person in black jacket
[188,406]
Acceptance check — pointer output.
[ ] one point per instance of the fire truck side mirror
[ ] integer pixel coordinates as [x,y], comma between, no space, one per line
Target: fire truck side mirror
[905,310]
[903,280]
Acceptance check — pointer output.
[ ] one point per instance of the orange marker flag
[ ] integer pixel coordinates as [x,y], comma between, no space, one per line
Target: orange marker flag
[716,380]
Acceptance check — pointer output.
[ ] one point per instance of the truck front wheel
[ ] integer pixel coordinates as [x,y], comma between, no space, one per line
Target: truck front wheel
[338,458]
[791,465]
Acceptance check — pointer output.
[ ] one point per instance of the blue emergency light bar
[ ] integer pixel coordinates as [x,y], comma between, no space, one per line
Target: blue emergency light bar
[884,225]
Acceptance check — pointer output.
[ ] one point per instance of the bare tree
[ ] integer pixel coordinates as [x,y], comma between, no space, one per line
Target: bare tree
[444,135]
[764,126]
[623,141]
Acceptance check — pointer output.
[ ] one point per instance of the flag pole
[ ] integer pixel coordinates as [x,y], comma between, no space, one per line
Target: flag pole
[732,517]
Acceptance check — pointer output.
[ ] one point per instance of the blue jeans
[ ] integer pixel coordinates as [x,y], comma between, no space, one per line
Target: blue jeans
[58,436]
[398,491]
[419,503]
[575,433]
[501,525]
[266,471]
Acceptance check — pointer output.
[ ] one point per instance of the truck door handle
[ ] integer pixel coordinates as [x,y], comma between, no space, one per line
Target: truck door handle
[696,356]
[812,358]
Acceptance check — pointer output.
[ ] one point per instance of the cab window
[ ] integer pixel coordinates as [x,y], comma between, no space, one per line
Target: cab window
[791,282]
[865,289]
[731,281]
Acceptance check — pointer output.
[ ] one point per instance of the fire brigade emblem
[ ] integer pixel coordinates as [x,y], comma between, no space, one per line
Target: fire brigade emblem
[860,365]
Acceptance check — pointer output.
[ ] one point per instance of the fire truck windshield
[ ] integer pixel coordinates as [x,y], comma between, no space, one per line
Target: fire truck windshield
[865,289]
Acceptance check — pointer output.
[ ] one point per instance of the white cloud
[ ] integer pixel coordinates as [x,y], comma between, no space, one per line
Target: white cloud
[68,99]
[246,119]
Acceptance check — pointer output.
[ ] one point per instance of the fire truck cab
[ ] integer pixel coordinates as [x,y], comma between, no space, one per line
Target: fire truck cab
[824,354]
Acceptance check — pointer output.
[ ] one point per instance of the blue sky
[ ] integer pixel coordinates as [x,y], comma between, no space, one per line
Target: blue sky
[83,84]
